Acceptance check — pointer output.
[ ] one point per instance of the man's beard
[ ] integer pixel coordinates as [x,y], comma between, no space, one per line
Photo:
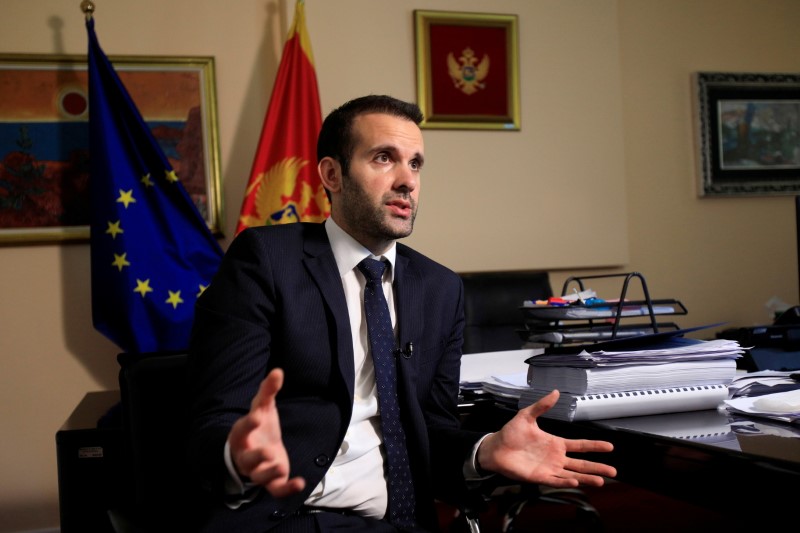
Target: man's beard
[372,219]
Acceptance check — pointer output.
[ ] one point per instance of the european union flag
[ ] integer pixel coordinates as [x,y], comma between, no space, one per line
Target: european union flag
[152,252]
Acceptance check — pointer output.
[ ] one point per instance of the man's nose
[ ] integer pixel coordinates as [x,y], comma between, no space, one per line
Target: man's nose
[406,178]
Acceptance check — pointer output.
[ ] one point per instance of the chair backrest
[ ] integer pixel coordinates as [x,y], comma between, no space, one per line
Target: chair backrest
[492,302]
[154,392]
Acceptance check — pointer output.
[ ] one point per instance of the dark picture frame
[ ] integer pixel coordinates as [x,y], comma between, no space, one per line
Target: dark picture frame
[467,70]
[44,137]
[748,133]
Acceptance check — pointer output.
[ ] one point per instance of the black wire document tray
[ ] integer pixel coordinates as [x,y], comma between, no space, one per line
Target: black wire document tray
[595,320]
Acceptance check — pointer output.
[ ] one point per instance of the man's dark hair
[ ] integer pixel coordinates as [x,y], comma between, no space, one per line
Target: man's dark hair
[336,136]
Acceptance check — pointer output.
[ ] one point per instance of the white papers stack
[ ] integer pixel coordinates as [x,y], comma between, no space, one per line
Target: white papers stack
[479,367]
[674,374]
[506,388]
[673,349]
[632,377]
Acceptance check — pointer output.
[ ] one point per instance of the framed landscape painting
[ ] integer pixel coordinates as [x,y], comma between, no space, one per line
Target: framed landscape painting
[44,137]
[748,133]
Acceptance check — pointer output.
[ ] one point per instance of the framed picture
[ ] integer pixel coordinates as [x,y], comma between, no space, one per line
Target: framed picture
[748,133]
[467,70]
[44,137]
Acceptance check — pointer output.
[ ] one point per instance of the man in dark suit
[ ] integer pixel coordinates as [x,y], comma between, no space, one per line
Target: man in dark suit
[286,424]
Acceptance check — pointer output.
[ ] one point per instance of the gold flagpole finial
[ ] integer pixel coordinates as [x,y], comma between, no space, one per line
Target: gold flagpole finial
[87,6]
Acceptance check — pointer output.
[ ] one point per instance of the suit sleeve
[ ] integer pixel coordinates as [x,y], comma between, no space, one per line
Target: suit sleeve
[229,353]
[451,446]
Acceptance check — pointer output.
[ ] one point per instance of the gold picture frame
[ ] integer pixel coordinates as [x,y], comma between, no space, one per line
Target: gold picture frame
[44,137]
[467,70]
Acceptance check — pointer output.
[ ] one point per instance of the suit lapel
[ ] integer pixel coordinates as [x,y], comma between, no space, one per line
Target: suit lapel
[410,311]
[322,268]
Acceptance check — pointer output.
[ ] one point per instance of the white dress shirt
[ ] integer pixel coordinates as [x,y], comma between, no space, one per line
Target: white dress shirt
[356,478]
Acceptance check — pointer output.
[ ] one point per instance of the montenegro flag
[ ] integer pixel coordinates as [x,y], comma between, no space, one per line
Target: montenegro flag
[284,186]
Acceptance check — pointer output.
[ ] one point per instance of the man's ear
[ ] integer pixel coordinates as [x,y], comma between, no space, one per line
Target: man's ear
[330,173]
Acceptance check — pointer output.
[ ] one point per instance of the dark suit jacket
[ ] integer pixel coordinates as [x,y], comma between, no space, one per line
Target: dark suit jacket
[278,301]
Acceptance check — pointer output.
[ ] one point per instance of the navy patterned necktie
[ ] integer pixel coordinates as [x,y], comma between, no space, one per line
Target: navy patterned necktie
[382,343]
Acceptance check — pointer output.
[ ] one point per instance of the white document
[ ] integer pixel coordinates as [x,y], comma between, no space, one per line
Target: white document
[478,367]
[783,406]
[505,386]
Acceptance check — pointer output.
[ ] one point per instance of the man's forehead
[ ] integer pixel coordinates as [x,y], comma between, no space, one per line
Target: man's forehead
[380,128]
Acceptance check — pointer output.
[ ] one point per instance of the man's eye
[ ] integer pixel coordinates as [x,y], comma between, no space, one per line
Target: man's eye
[415,165]
[383,158]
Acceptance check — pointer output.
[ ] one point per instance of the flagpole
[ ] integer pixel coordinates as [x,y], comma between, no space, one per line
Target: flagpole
[87,6]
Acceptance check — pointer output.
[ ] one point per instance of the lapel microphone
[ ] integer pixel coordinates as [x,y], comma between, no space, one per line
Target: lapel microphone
[406,352]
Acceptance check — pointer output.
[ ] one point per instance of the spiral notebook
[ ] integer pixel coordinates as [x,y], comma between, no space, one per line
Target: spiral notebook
[573,407]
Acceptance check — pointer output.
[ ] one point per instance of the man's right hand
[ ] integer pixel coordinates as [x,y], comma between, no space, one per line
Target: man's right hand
[256,444]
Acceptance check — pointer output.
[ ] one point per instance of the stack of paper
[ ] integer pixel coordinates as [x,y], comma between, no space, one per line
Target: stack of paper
[672,349]
[506,388]
[656,374]
[579,380]
[477,368]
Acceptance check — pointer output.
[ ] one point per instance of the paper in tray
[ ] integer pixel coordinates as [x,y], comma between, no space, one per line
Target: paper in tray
[629,343]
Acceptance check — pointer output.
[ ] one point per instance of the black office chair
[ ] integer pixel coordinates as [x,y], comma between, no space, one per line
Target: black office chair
[491,307]
[154,404]
[493,320]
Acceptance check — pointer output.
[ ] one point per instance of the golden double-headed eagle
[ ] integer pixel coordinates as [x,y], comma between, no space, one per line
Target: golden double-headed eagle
[281,197]
[467,76]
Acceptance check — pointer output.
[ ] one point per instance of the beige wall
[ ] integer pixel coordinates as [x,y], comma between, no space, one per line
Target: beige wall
[601,174]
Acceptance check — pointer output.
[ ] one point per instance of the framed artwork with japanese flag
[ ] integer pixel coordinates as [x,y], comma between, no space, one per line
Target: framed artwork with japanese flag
[467,70]
[44,137]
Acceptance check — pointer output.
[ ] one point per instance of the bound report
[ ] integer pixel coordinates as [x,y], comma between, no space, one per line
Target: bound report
[598,380]
[572,407]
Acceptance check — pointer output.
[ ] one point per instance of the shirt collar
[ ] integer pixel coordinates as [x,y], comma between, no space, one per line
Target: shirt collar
[348,252]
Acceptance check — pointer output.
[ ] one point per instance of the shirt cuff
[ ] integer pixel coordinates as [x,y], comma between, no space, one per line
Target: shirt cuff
[472,471]
[237,490]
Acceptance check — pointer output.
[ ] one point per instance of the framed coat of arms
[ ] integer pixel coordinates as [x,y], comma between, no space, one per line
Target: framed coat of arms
[467,70]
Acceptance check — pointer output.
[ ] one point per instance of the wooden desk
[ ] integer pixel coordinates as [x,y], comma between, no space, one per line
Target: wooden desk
[750,468]
[746,471]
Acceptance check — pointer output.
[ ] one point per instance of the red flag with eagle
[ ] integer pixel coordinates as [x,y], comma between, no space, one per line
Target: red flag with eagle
[284,186]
